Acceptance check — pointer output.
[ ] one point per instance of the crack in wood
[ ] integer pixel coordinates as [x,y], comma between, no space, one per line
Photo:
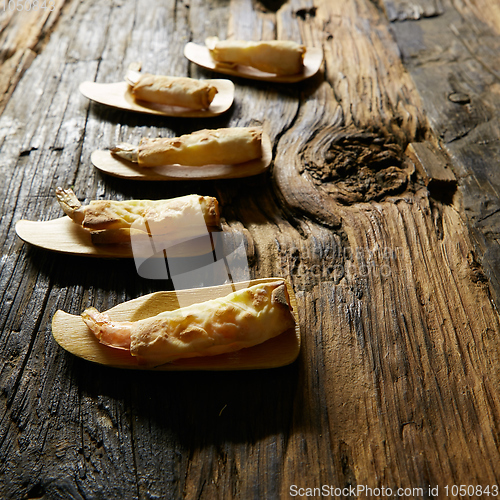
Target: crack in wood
[268,5]
[412,10]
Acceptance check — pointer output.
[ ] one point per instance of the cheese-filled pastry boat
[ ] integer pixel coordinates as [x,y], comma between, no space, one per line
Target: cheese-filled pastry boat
[241,319]
[111,221]
[275,56]
[171,90]
[225,146]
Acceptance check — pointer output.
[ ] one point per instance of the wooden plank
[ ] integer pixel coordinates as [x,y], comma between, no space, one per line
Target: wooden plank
[453,59]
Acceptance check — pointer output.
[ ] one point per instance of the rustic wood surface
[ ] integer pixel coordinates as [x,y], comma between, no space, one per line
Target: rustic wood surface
[395,276]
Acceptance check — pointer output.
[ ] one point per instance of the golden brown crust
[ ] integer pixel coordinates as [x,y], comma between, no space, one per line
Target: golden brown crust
[280,57]
[101,214]
[226,146]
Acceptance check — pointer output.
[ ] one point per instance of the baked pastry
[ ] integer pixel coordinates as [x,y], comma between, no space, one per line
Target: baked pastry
[110,221]
[225,146]
[241,319]
[275,56]
[172,91]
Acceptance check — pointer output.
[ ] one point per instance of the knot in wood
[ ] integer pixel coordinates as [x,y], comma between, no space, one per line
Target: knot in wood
[305,13]
[357,167]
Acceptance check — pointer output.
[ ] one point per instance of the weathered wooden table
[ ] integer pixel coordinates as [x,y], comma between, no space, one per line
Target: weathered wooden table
[396,272]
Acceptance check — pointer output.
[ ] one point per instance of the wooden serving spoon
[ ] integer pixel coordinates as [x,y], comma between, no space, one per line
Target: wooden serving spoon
[118,95]
[65,236]
[200,55]
[73,335]
[119,167]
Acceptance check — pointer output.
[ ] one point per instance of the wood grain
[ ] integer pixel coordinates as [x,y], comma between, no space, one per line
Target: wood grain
[23,33]
[396,383]
[200,54]
[453,59]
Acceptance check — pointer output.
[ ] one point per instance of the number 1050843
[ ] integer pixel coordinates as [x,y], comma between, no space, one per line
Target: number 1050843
[471,491]
[27,5]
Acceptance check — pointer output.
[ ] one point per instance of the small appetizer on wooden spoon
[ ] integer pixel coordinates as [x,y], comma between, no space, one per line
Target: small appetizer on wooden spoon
[224,153]
[154,332]
[226,146]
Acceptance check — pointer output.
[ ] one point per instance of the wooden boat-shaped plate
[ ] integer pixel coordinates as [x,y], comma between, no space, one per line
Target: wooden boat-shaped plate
[64,236]
[119,167]
[73,335]
[118,95]
[200,55]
